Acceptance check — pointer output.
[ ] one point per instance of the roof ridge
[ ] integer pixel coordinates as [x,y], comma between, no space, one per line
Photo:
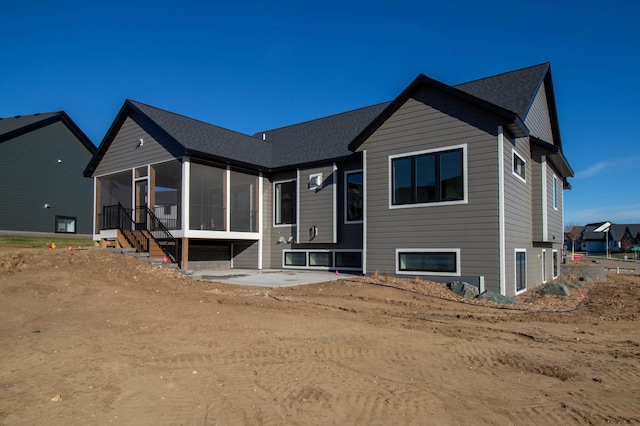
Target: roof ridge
[547,64]
[320,118]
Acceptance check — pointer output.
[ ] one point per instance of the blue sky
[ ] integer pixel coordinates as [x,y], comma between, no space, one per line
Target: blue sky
[250,66]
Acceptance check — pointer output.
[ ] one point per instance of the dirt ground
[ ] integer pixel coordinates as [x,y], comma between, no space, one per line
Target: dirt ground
[88,337]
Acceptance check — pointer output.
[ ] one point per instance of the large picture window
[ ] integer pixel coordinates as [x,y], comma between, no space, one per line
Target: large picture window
[429,177]
[285,202]
[428,261]
[353,196]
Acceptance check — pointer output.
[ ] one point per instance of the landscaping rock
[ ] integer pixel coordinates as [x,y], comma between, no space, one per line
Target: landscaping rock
[567,282]
[555,290]
[497,298]
[463,289]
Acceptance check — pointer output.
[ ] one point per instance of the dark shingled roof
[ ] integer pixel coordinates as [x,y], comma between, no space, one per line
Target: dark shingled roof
[322,139]
[200,137]
[13,124]
[16,126]
[514,90]
[328,138]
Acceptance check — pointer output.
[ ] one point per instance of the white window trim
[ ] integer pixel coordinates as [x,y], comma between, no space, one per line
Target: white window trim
[428,250]
[465,177]
[348,172]
[544,266]
[284,225]
[555,265]
[514,153]
[515,270]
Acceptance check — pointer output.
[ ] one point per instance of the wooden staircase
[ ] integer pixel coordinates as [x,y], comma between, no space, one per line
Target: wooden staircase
[140,240]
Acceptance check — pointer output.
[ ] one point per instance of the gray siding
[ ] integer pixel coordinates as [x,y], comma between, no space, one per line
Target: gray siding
[124,152]
[32,176]
[555,229]
[432,120]
[317,207]
[349,234]
[518,214]
[245,255]
[267,224]
[272,251]
[536,198]
[537,119]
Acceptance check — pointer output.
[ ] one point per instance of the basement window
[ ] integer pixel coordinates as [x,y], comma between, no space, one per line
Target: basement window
[66,224]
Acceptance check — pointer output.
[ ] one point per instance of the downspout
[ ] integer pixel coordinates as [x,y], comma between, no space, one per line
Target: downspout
[501,219]
[297,241]
[364,212]
[95,207]
[545,202]
[335,203]
[260,214]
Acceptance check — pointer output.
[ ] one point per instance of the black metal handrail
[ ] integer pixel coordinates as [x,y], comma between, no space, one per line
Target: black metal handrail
[169,244]
[119,217]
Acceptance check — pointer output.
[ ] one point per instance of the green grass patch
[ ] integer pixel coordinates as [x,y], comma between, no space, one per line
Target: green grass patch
[29,241]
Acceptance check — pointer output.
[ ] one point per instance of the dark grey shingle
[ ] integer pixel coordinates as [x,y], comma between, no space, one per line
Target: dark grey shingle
[514,90]
[206,138]
[12,124]
[321,139]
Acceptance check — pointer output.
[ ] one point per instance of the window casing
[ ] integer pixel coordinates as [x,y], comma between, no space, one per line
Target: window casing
[428,177]
[519,167]
[66,224]
[556,265]
[444,262]
[284,210]
[544,266]
[521,270]
[353,196]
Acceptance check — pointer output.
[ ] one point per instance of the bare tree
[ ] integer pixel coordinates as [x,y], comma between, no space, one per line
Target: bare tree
[574,232]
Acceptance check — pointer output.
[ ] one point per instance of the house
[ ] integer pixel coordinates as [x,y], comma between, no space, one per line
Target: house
[597,238]
[42,158]
[444,182]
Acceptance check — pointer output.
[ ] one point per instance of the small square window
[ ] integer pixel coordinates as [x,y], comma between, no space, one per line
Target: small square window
[519,167]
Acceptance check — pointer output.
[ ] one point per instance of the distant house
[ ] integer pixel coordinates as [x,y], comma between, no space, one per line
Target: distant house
[444,182]
[592,239]
[42,157]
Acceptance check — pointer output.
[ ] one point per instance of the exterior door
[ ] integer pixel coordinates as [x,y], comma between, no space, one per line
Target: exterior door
[142,189]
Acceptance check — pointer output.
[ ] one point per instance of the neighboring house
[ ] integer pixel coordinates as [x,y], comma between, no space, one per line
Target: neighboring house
[444,182]
[618,238]
[42,158]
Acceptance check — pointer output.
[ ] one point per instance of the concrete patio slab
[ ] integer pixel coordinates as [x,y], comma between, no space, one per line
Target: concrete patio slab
[269,278]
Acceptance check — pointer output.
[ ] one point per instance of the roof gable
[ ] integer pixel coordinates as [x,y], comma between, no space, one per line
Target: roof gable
[16,126]
[512,120]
